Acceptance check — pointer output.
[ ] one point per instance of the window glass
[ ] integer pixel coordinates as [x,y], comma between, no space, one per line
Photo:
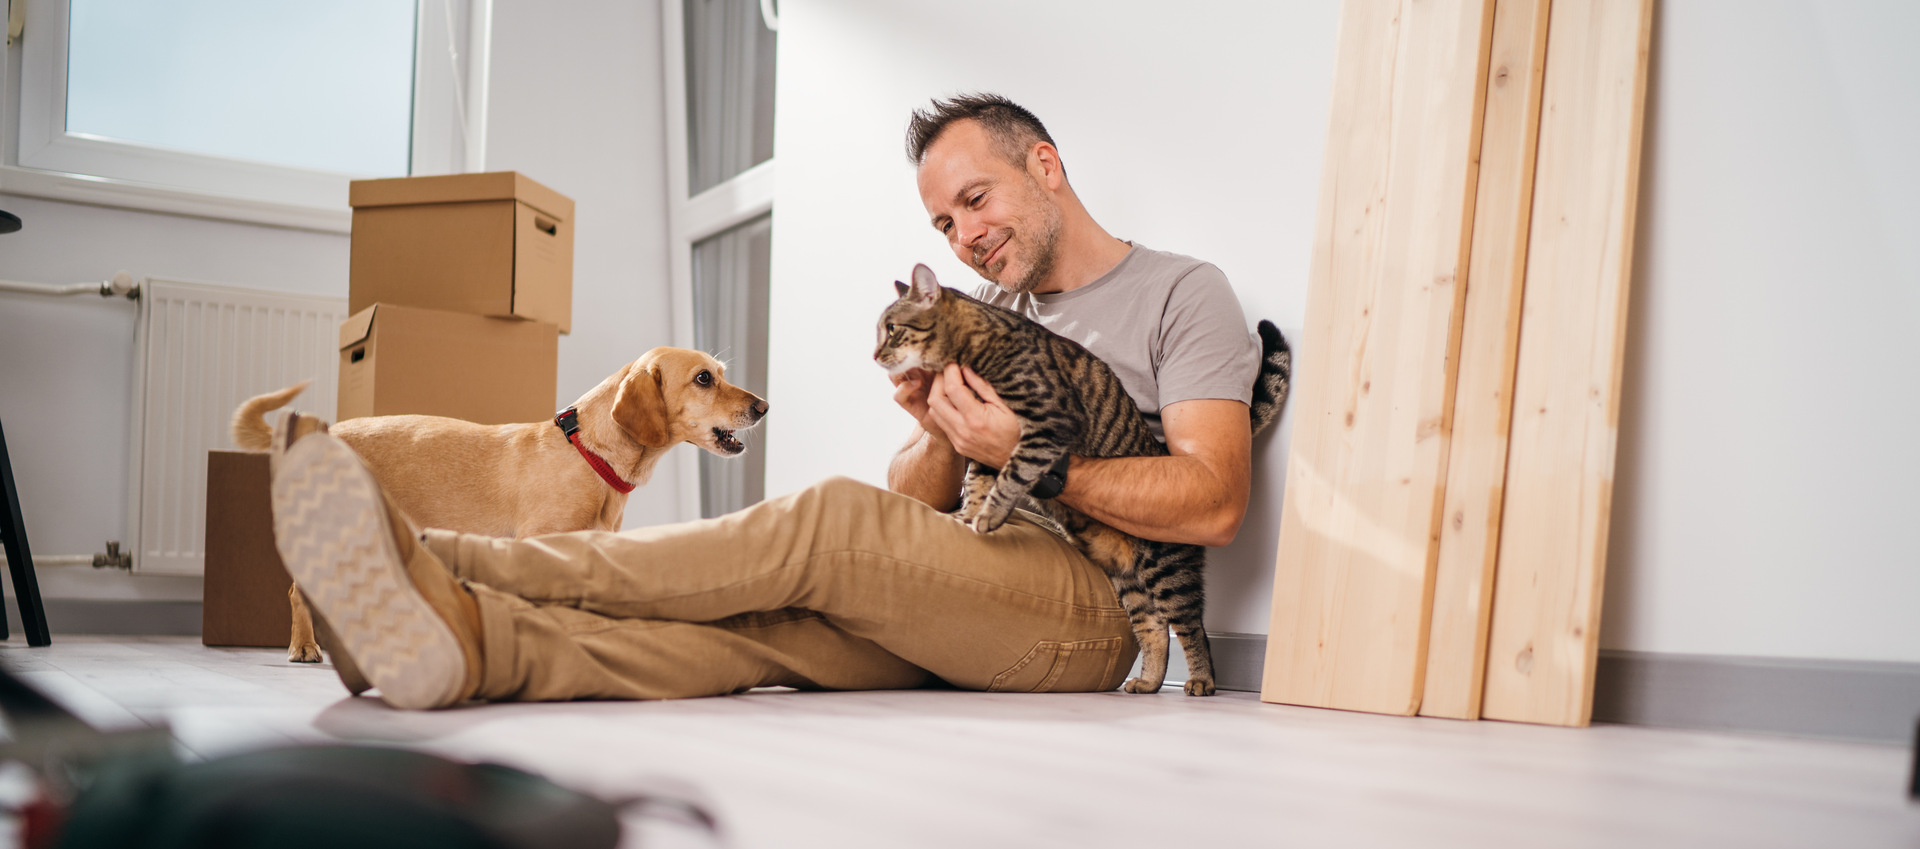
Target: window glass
[729,90]
[730,275]
[326,86]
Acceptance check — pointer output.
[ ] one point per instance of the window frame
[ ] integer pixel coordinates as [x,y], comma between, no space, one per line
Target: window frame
[39,158]
[731,202]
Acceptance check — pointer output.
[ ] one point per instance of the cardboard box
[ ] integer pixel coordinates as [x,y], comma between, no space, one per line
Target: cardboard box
[245,602]
[489,244]
[397,360]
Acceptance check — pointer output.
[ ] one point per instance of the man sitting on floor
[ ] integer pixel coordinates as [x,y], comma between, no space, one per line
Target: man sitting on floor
[841,585]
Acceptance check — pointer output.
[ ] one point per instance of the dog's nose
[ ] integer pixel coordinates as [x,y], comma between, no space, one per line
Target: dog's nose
[759,408]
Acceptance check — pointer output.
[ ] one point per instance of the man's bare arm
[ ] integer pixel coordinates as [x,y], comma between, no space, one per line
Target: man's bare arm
[927,468]
[1197,495]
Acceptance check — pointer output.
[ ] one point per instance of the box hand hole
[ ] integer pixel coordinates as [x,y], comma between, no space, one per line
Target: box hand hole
[547,225]
[357,355]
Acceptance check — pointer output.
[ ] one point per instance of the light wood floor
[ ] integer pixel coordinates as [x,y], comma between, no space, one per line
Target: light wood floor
[939,768]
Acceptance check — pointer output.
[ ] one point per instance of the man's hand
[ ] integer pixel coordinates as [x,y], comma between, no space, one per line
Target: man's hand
[910,391]
[1197,495]
[927,468]
[969,415]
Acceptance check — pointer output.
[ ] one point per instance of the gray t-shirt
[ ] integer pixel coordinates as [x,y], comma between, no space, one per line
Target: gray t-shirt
[1169,325]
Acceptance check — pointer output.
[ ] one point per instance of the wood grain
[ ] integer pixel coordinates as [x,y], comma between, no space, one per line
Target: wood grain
[1553,540]
[1374,383]
[1489,336]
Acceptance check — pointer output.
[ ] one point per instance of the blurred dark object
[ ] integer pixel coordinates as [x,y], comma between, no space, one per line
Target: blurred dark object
[128,790]
[1913,781]
[329,796]
[13,536]
[9,222]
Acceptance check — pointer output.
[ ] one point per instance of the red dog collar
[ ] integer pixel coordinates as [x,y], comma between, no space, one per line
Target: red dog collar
[568,421]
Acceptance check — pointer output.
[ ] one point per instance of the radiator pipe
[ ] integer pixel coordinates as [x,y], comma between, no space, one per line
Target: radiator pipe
[121,285]
[41,561]
[113,559]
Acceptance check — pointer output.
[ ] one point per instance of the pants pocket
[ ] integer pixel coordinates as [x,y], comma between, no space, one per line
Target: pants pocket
[1081,666]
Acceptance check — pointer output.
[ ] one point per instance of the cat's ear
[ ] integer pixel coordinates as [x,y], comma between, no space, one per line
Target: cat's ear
[899,288]
[926,288]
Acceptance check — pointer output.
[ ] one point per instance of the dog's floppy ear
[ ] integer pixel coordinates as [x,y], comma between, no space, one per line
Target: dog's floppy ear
[926,288]
[640,409]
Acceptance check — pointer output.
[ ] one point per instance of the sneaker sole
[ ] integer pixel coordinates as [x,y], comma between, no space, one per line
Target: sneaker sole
[330,524]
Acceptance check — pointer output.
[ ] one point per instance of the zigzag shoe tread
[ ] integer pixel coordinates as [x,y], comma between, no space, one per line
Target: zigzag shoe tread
[330,524]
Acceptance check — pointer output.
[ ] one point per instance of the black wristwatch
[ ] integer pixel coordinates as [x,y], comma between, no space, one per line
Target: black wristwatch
[1053,480]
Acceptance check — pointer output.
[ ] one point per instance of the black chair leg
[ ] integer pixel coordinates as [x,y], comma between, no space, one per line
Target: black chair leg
[13,532]
[1913,778]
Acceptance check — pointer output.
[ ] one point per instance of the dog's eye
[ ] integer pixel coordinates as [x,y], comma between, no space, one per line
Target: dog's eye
[704,378]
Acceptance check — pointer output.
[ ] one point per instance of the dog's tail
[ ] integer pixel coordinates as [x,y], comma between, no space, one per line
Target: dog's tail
[1276,375]
[250,429]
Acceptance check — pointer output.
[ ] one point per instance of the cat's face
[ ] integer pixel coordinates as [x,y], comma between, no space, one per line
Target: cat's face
[909,329]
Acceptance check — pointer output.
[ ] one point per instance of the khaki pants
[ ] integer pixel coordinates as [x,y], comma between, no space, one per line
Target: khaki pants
[839,586]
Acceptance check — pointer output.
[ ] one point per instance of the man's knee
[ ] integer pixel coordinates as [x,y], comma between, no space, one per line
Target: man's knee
[840,489]
[850,504]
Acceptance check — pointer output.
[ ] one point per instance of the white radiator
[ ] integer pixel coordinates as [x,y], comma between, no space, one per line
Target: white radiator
[199,351]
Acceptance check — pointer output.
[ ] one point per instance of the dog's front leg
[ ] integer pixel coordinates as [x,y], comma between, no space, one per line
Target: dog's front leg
[301,648]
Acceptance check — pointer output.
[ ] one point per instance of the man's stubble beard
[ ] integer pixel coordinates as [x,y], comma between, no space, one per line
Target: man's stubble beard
[1045,246]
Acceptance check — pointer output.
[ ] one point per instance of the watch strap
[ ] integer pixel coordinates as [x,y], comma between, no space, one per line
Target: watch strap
[1053,481]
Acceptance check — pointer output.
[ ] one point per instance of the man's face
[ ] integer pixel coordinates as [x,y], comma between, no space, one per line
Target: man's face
[997,218]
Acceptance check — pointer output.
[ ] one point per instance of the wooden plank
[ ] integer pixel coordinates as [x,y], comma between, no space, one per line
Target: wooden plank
[1489,337]
[1374,378]
[1553,539]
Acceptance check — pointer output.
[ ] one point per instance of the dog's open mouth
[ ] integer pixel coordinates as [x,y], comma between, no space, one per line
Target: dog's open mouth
[724,440]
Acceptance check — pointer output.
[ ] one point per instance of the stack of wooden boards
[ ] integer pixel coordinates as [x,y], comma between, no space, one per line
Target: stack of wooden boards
[1444,532]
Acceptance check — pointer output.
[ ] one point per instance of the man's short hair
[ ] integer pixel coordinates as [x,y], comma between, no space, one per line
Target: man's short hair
[1013,129]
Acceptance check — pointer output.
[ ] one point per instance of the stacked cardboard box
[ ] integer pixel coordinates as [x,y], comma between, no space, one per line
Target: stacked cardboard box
[460,288]
[245,598]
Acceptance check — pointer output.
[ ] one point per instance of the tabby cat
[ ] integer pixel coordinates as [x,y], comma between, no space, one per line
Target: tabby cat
[1070,402]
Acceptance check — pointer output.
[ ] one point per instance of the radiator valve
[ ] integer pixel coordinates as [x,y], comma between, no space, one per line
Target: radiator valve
[122,285]
[114,558]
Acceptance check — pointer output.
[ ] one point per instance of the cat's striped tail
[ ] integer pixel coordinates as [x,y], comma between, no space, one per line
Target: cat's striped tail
[1276,374]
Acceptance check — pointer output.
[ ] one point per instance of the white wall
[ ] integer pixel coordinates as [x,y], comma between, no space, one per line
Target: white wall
[577,103]
[1194,128]
[66,365]
[1765,484]
[1766,499]
[1765,490]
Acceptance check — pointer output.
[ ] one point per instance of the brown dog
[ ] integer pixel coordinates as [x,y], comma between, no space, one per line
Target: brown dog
[519,480]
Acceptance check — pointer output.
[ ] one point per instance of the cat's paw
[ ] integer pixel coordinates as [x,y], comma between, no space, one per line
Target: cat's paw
[306,651]
[1141,685]
[1199,686]
[990,518]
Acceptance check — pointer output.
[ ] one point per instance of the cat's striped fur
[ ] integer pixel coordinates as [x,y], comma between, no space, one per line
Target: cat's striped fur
[1070,402]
